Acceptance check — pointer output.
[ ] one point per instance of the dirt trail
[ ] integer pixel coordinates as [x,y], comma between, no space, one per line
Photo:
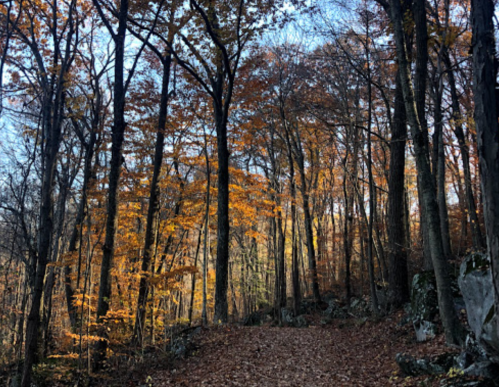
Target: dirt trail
[270,356]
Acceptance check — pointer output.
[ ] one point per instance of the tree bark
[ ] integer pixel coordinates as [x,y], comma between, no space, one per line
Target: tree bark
[439,161]
[154,205]
[118,133]
[309,231]
[485,93]
[399,276]
[453,330]
[52,107]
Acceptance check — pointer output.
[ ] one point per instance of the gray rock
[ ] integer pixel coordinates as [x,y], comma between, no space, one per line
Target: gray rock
[475,282]
[425,330]
[332,306]
[286,316]
[300,322]
[424,305]
[472,346]
[181,342]
[253,319]
[360,308]
[333,311]
[463,360]
[288,319]
[485,369]
[307,306]
[411,366]
[465,382]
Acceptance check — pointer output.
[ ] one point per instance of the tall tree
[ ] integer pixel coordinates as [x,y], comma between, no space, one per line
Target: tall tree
[118,134]
[61,24]
[453,330]
[152,224]
[485,92]
[397,244]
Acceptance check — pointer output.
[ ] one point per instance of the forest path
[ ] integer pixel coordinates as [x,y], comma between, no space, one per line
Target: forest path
[343,355]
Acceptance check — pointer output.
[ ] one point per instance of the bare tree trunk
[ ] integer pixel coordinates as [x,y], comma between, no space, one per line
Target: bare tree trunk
[74,240]
[370,240]
[347,243]
[154,205]
[53,103]
[309,231]
[450,321]
[439,171]
[399,276]
[486,113]
[193,283]
[118,133]
[204,313]
[222,263]
[55,250]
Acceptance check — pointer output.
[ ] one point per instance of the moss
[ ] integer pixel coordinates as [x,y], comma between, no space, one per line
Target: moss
[424,297]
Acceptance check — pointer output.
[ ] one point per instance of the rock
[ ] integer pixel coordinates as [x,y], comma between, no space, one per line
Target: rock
[181,343]
[463,381]
[333,311]
[307,306]
[360,308]
[406,317]
[383,300]
[475,282]
[332,306]
[411,366]
[484,369]
[253,319]
[472,346]
[300,322]
[424,305]
[329,296]
[464,360]
[258,317]
[425,330]
[286,316]
[288,319]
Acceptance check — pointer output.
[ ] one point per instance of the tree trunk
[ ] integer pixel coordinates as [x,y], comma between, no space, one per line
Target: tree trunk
[309,231]
[439,171]
[484,88]
[118,133]
[222,263]
[204,313]
[74,240]
[154,207]
[52,129]
[399,276]
[450,321]
[193,283]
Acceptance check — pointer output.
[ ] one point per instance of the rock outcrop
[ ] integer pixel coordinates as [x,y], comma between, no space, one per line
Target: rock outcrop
[475,283]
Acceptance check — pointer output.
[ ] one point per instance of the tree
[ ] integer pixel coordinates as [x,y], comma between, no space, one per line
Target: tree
[152,224]
[484,88]
[118,133]
[59,22]
[450,321]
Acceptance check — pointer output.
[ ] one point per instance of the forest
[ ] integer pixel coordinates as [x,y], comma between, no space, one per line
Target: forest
[171,166]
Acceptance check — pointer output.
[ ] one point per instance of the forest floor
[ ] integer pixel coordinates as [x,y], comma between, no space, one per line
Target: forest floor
[347,353]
